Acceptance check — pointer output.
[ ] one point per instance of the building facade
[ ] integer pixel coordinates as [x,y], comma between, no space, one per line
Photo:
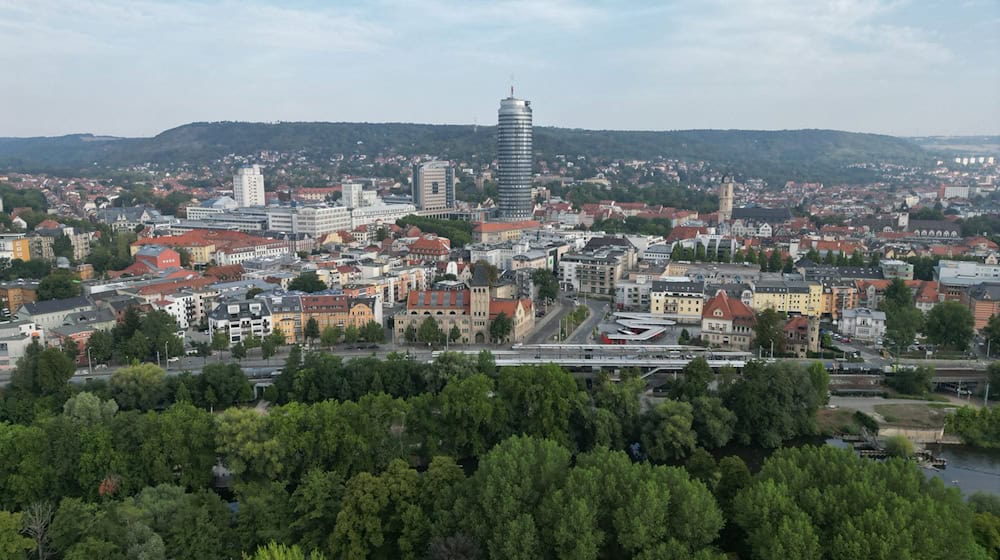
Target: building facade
[727,323]
[863,324]
[514,159]
[433,185]
[682,301]
[248,186]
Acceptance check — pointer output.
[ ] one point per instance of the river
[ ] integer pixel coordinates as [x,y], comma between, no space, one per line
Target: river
[969,469]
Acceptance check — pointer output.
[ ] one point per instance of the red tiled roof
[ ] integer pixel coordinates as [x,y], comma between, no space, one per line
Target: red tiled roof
[508,307]
[732,309]
[438,299]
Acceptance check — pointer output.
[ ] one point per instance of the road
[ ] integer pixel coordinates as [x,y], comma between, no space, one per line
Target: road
[583,333]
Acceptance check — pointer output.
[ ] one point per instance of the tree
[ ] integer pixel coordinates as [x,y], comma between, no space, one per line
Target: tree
[62,246]
[991,334]
[351,334]
[253,292]
[373,332]
[274,551]
[684,337]
[774,261]
[950,323]
[410,334]
[699,253]
[666,431]
[307,282]
[228,383]
[454,334]
[37,519]
[547,283]
[71,348]
[220,340]
[773,403]
[501,327]
[140,387]
[12,544]
[88,408]
[899,446]
[42,372]
[769,331]
[712,422]
[100,347]
[912,381]
[789,265]
[239,351]
[311,331]
[429,332]
[331,335]
[857,259]
[58,285]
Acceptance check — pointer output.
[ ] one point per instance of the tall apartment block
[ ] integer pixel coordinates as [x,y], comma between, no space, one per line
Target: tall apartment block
[248,186]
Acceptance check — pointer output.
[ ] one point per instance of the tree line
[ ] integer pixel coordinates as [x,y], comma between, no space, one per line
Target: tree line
[455,459]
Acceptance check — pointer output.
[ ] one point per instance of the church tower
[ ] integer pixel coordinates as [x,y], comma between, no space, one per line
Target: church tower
[726,200]
[479,306]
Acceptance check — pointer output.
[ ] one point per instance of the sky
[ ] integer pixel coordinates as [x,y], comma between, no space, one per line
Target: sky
[138,67]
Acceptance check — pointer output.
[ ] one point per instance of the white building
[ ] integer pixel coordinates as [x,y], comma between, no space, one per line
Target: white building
[248,186]
[314,221]
[384,213]
[354,195]
[210,208]
[862,324]
[240,319]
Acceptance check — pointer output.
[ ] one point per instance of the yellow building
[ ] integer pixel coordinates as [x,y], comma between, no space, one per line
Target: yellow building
[21,249]
[292,313]
[838,298]
[797,298]
[681,300]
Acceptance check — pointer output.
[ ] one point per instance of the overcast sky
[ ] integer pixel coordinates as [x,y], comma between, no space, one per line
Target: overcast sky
[137,67]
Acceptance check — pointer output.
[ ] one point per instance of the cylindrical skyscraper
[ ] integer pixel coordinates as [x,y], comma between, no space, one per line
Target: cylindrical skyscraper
[515,159]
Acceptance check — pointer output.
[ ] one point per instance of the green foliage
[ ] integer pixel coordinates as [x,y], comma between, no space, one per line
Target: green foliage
[12,544]
[59,285]
[311,330]
[822,502]
[457,231]
[667,434]
[912,381]
[899,446]
[547,283]
[501,327]
[21,198]
[976,427]
[430,333]
[950,323]
[773,403]
[769,331]
[307,282]
[140,387]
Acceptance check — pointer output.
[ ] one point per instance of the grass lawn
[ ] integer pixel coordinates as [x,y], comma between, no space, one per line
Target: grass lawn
[837,421]
[914,415]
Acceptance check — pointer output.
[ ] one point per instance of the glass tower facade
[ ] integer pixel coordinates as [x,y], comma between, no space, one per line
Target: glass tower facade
[514,157]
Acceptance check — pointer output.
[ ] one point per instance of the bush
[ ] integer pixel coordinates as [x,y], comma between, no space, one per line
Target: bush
[899,446]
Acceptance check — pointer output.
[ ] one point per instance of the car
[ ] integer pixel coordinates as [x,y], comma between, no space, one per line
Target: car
[173,359]
[101,366]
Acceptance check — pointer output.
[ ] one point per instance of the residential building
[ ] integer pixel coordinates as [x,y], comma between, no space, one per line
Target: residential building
[51,313]
[802,336]
[15,337]
[433,185]
[863,324]
[983,301]
[896,269]
[130,218]
[681,300]
[15,246]
[727,322]
[633,294]
[430,247]
[515,159]
[240,319]
[16,293]
[248,186]
[789,296]
[339,310]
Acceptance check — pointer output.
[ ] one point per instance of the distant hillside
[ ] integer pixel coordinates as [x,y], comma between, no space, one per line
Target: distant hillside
[773,155]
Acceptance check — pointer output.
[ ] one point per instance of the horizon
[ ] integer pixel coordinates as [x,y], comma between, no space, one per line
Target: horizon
[133,68]
[377,123]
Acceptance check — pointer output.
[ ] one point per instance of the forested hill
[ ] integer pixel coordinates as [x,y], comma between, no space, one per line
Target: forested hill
[800,154]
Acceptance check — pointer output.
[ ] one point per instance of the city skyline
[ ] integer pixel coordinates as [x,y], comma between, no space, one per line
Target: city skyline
[138,68]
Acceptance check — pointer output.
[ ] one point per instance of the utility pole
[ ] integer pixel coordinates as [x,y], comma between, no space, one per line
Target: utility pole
[986,398]
[166,352]
[90,363]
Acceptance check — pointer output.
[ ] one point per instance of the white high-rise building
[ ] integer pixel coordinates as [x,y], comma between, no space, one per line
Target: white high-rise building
[354,195]
[248,186]
[514,159]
